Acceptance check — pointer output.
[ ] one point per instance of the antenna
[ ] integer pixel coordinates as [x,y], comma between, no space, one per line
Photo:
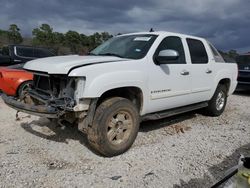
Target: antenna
[151,30]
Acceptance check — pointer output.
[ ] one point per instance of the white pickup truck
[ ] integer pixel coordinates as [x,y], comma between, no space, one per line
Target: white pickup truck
[126,80]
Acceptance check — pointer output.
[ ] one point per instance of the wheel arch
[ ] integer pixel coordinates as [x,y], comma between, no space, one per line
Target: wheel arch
[132,93]
[20,84]
[226,82]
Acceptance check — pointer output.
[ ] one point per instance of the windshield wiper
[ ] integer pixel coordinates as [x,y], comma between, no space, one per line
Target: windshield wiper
[111,54]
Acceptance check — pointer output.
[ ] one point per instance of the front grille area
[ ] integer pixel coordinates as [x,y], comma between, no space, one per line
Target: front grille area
[54,90]
[57,86]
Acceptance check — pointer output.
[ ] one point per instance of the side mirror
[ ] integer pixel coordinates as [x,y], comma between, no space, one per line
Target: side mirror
[166,56]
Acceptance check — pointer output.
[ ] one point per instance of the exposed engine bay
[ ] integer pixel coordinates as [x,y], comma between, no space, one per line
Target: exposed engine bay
[54,90]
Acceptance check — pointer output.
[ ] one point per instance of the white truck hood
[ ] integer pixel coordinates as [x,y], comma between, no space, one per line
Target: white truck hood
[63,64]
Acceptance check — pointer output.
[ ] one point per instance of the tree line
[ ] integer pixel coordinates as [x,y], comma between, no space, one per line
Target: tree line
[70,42]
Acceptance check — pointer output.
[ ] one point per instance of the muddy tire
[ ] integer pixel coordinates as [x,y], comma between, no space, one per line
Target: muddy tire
[23,87]
[217,104]
[115,126]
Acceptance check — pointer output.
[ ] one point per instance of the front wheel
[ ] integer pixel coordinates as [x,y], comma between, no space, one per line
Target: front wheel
[115,126]
[217,104]
[24,87]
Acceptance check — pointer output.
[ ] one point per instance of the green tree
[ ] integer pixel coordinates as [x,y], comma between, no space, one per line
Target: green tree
[73,41]
[58,38]
[43,36]
[98,38]
[4,39]
[84,40]
[14,34]
[105,36]
[58,41]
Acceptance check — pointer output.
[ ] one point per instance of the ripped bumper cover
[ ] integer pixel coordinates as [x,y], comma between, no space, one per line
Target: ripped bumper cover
[38,110]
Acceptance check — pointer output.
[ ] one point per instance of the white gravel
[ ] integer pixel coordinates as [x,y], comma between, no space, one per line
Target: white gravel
[189,150]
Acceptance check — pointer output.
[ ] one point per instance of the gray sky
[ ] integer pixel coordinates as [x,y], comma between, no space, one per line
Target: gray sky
[226,23]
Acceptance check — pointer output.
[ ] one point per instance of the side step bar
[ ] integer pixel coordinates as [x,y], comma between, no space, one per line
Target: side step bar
[174,111]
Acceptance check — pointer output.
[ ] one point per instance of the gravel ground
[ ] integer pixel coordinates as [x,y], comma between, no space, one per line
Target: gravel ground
[189,150]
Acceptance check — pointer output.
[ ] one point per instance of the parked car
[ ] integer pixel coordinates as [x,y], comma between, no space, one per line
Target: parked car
[243,62]
[17,54]
[126,80]
[14,80]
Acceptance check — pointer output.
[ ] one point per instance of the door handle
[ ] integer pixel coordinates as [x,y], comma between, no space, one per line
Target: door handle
[208,71]
[184,73]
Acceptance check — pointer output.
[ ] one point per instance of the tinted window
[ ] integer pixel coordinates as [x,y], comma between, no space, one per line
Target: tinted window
[40,53]
[197,51]
[25,51]
[173,43]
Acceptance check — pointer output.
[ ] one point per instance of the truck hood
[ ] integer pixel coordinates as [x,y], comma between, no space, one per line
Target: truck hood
[63,64]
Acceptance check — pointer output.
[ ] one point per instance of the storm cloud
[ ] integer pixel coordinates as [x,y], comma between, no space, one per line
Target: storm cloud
[226,23]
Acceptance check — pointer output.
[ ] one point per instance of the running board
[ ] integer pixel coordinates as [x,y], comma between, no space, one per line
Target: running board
[174,111]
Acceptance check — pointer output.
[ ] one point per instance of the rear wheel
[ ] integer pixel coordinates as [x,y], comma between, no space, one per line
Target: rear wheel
[217,104]
[115,126]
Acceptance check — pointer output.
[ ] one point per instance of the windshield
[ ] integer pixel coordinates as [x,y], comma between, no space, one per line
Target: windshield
[243,59]
[128,46]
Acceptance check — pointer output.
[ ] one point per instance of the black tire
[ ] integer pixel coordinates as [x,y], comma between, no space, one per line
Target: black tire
[23,87]
[111,119]
[215,106]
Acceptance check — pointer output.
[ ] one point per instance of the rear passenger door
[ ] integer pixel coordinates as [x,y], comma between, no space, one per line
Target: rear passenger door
[201,70]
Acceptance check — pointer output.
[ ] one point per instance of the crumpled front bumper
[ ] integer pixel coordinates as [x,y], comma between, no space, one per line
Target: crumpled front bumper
[38,110]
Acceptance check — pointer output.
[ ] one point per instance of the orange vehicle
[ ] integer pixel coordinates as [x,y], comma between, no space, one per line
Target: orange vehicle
[14,81]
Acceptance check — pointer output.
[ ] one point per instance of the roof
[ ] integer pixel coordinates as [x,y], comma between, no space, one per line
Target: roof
[163,33]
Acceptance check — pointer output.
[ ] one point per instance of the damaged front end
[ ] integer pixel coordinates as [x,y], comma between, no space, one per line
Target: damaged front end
[56,91]
[53,96]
